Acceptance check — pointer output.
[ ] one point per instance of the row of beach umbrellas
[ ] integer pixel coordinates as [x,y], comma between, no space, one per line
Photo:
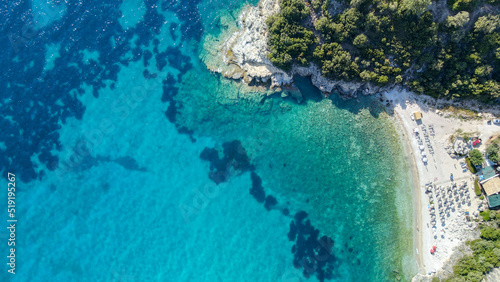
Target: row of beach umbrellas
[445,199]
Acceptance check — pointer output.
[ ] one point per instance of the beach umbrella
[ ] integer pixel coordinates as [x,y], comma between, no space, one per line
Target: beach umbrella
[422,147]
[424,154]
[424,160]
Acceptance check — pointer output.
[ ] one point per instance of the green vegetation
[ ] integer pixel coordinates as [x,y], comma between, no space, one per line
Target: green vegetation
[470,166]
[486,255]
[477,189]
[485,215]
[493,151]
[493,214]
[462,114]
[290,40]
[461,5]
[460,133]
[382,42]
[476,158]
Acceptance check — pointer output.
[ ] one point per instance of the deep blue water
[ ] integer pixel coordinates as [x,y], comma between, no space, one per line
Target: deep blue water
[134,163]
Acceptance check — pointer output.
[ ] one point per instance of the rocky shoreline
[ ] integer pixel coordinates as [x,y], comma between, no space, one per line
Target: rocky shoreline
[241,53]
[244,55]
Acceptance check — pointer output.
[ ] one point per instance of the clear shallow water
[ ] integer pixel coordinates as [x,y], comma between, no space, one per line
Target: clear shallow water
[115,189]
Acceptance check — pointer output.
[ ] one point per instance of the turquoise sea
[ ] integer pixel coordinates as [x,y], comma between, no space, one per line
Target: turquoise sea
[133,162]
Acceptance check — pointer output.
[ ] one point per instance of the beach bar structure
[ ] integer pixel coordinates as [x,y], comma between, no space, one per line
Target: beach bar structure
[488,172]
[417,115]
[491,187]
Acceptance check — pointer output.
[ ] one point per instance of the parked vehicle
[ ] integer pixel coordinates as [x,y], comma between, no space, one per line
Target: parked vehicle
[496,121]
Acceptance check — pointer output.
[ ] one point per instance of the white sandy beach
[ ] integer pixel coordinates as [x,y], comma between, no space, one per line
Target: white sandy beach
[451,227]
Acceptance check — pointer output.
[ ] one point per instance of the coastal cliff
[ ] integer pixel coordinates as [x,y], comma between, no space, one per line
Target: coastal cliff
[243,53]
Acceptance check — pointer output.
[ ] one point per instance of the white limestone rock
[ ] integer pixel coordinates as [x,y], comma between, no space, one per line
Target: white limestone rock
[247,48]
[245,55]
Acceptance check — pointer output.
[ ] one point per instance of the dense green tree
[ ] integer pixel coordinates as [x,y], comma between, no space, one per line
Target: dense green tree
[490,233]
[325,26]
[475,276]
[483,71]
[487,24]
[476,158]
[461,5]
[347,24]
[360,41]
[414,7]
[383,79]
[455,58]
[493,152]
[359,3]
[294,10]
[458,20]
[316,4]
[335,61]
[290,41]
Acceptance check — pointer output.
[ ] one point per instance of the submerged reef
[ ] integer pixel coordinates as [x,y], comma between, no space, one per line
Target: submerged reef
[257,191]
[312,253]
[234,160]
[39,98]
